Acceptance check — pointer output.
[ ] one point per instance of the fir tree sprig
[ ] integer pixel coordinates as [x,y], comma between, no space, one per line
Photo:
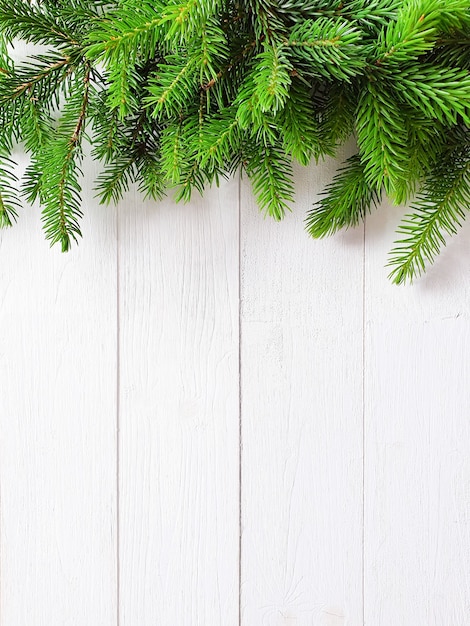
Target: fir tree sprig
[9,204]
[346,201]
[180,93]
[439,210]
[58,180]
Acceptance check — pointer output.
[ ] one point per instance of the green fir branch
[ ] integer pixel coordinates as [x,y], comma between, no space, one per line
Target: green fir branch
[345,202]
[9,195]
[382,137]
[270,173]
[59,188]
[331,48]
[181,93]
[20,19]
[439,209]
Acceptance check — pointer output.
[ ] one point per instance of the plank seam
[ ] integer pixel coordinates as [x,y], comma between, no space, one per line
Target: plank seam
[118,424]
[363,412]
[240,433]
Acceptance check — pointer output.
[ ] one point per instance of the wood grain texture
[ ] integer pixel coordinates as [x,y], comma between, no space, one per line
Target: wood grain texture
[138,328]
[301,355]
[179,416]
[58,424]
[417,489]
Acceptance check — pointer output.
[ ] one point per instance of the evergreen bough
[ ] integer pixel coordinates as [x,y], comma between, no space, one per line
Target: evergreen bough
[181,93]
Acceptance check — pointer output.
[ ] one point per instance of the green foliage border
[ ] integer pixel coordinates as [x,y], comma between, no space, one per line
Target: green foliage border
[182,93]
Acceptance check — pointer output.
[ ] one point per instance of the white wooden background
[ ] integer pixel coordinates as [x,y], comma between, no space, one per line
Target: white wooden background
[209,419]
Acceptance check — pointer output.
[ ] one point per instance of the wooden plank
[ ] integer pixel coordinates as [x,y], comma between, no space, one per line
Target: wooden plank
[301,349]
[179,411]
[58,423]
[417,467]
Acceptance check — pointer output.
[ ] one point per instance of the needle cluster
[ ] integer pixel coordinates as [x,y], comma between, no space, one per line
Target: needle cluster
[180,93]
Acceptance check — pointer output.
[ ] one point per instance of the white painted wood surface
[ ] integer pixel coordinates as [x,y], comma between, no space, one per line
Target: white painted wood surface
[417,438]
[301,356]
[197,397]
[179,418]
[58,425]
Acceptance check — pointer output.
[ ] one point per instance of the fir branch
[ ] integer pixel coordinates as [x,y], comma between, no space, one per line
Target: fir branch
[130,30]
[183,92]
[107,129]
[221,139]
[270,173]
[346,201]
[24,20]
[9,196]
[39,80]
[193,176]
[416,29]
[452,52]
[187,18]
[123,83]
[426,140]
[36,125]
[331,48]
[299,128]
[172,151]
[272,77]
[115,180]
[150,176]
[210,52]
[439,92]
[336,116]
[170,87]
[59,187]
[439,209]
[371,15]
[261,125]
[382,138]
[229,66]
